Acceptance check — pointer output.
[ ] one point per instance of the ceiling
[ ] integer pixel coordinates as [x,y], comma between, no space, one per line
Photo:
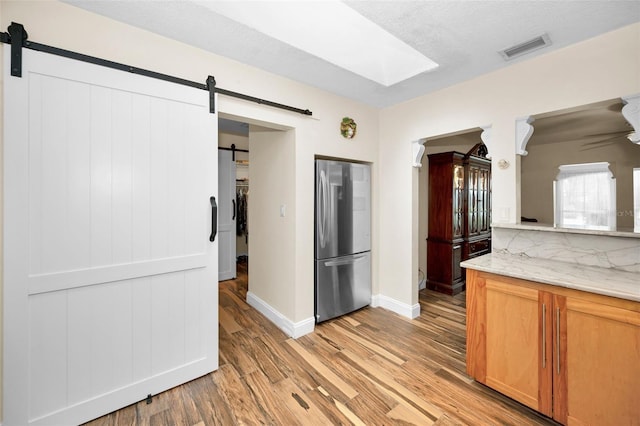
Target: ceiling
[592,126]
[463,37]
[595,126]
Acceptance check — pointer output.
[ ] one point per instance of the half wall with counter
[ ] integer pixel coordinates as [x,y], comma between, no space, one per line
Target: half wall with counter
[553,321]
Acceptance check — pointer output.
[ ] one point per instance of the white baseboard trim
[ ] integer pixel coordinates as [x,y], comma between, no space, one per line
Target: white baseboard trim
[292,329]
[393,305]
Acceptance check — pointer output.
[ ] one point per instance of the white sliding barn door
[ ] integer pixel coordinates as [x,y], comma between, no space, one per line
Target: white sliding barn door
[227,215]
[110,280]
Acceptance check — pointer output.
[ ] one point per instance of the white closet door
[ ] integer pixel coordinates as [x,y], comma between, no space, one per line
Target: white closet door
[227,215]
[110,280]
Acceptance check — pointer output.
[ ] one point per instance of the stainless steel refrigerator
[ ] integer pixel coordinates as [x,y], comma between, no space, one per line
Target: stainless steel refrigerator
[342,237]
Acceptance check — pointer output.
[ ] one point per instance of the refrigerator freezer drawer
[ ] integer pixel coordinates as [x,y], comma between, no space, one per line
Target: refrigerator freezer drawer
[343,285]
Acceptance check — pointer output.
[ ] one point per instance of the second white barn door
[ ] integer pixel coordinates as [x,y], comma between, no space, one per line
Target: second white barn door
[110,277]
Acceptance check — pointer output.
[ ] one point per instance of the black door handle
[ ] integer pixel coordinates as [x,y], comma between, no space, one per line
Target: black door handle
[214,219]
[234,209]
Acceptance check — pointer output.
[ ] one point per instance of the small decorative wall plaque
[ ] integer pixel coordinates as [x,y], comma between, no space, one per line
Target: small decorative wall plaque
[348,128]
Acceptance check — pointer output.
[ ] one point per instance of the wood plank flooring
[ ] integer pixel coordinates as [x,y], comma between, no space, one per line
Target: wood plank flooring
[371,367]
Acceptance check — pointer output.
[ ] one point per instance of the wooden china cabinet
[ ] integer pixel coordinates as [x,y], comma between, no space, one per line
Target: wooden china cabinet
[459,215]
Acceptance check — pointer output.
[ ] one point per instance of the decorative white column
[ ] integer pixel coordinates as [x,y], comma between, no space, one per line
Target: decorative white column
[487,138]
[631,112]
[524,130]
[418,152]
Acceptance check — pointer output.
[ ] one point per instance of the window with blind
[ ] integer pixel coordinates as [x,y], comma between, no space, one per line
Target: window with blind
[585,196]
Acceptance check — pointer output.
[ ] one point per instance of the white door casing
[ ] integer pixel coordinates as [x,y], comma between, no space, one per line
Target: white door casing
[227,215]
[110,280]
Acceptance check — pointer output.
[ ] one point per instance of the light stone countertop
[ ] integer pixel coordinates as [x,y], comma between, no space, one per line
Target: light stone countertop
[605,281]
[542,227]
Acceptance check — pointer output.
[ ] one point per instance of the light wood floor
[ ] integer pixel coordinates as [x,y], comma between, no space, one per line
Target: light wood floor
[371,367]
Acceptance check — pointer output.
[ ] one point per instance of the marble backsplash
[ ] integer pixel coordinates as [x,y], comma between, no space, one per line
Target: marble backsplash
[579,248]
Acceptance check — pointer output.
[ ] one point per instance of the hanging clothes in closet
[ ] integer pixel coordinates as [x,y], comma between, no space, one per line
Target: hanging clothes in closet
[242,195]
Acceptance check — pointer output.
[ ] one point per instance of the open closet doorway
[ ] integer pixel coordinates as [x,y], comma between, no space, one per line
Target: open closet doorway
[233,182]
[269,282]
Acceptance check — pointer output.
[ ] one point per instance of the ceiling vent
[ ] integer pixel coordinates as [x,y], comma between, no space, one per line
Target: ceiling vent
[526,47]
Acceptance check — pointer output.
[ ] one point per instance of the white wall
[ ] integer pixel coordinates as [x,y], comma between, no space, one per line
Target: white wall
[598,69]
[272,158]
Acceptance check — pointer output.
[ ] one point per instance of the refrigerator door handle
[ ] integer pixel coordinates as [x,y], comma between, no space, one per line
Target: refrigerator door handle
[342,262]
[324,201]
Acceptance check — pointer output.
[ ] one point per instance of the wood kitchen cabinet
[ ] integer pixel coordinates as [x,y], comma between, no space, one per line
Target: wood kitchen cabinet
[459,215]
[571,355]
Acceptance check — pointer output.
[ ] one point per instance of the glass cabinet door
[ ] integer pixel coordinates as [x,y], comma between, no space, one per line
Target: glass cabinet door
[484,220]
[472,201]
[478,196]
[458,201]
